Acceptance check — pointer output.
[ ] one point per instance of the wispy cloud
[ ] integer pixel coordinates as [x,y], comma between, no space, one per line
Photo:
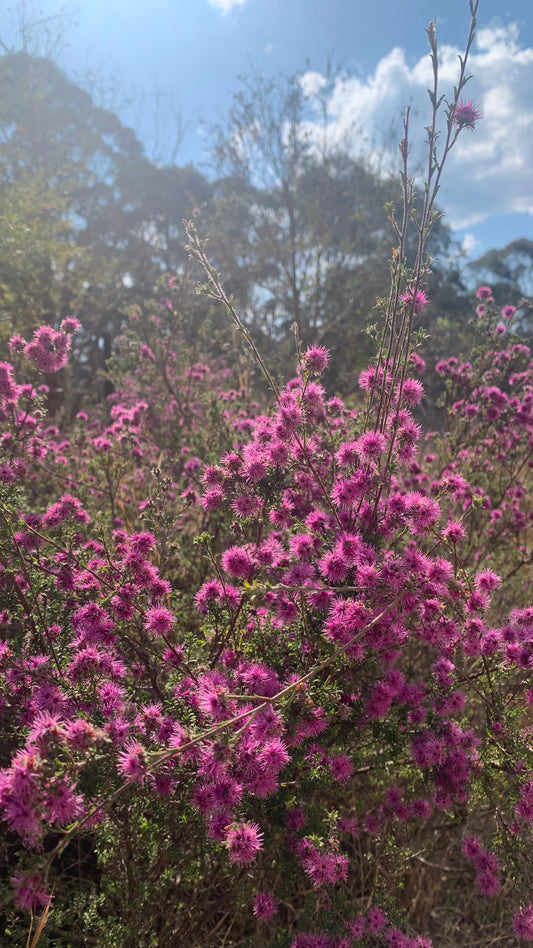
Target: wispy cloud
[225,5]
[489,169]
[471,245]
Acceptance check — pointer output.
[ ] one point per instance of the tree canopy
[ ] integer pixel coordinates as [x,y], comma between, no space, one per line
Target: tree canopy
[297,225]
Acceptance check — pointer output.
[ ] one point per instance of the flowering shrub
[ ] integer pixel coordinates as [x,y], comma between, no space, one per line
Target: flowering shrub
[263,667]
[355,673]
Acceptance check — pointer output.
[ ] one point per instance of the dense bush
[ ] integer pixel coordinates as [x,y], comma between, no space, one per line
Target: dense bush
[265,668]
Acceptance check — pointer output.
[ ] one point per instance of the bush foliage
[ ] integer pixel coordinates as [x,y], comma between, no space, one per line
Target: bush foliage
[265,663]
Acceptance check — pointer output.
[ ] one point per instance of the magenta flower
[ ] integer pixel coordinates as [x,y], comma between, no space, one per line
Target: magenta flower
[523,922]
[70,325]
[273,756]
[132,762]
[488,884]
[142,542]
[466,114]
[325,867]
[237,562]
[8,386]
[296,818]
[159,620]
[243,840]
[265,905]
[30,891]
[17,343]
[357,927]
[370,445]
[412,391]
[487,580]
[316,358]
[484,293]
[417,300]
[376,920]
[341,768]
[63,804]
[48,349]
[211,499]
[453,531]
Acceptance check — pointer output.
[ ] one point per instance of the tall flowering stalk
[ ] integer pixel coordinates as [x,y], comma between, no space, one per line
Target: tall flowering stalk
[407,298]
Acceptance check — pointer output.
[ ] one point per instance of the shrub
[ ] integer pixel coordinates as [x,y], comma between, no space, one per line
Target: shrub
[265,667]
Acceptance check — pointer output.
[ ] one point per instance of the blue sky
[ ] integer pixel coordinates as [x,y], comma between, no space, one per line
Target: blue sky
[188,54]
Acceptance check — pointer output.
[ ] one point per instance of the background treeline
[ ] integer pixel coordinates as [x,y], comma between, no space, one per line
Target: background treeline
[89,225]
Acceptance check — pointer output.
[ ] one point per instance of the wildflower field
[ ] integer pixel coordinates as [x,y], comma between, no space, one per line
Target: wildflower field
[266,654]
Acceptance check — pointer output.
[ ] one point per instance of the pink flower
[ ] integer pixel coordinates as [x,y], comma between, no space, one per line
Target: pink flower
[453,531]
[70,325]
[8,387]
[48,349]
[418,362]
[487,580]
[63,804]
[349,824]
[421,809]
[30,891]
[333,567]
[17,343]
[346,453]
[372,378]
[370,445]
[243,840]
[80,734]
[246,505]
[523,923]
[412,391]
[488,883]
[417,300]
[237,562]
[325,867]
[341,768]
[357,927]
[508,312]
[142,542]
[273,756]
[20,814]
[158,620]
[396,939]
[316,358]
[484,293]
[376,920]
[213,700]
[296,818]
[466,114]
[132,762]
[211,499]
[265,905]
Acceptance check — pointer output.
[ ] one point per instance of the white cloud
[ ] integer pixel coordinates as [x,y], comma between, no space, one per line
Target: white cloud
[311,83]
[489,169]
[470,245]
[225,5]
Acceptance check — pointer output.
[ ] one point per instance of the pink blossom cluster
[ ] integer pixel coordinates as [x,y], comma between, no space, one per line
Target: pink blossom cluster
[48,350]
[312,621]
[487,866]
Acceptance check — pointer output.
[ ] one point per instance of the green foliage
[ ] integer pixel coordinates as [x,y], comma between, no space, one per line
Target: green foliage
[87,223]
